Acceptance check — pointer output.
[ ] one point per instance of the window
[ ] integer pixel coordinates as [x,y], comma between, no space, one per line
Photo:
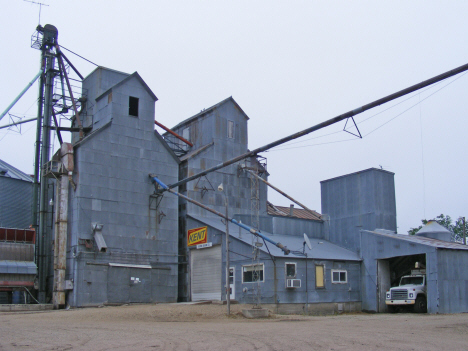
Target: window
[133,106]
[339,277]
[186,135]
[230,130]
[252,273]
[319,277]
[290,270]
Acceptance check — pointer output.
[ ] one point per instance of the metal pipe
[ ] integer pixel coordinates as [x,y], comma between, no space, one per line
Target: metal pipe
[77,115]
[253,231]
[20,94]
[20,122]
[228,283]
[59,136]
[173,133]
[43,237]
[71,65]
[279,191]
[327,123]
[37,159]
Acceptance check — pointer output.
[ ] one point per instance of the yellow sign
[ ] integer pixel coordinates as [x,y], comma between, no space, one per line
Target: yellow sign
[197,236]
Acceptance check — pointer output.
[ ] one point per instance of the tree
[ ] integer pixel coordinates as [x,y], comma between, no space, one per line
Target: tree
[446,221]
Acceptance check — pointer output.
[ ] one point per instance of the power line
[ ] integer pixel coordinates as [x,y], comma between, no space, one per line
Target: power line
[409,108]
[63,47]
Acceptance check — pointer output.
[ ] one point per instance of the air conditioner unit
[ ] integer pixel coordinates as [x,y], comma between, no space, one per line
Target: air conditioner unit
[293,283]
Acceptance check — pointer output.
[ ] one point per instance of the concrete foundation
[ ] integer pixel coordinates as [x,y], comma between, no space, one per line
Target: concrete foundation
[317,309]
[256,313]
[26,308]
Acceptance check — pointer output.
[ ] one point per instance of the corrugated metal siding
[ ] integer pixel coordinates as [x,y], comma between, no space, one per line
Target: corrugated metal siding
[16,204]
[362,200]
[18,268]
[113,188]
[453,281]
[16,251]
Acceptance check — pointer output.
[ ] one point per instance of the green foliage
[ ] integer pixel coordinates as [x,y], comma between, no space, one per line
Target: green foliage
[446,221]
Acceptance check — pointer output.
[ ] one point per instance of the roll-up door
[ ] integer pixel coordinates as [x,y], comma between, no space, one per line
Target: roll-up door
[206,273]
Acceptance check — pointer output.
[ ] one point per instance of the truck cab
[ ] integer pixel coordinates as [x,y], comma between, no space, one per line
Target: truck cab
[411,292]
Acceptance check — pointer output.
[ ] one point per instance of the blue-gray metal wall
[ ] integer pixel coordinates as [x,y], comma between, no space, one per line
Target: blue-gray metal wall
[452,281]
[361,200]
[16,204]
[113,188]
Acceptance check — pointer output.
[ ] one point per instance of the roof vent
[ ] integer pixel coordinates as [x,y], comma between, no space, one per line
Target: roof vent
[434,230]
[291,210]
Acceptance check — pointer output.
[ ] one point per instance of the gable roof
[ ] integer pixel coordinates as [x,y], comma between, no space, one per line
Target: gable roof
[282,211]
[209,109]
[133,75]
[8,171]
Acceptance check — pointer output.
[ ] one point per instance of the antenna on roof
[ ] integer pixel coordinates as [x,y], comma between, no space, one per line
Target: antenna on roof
[306,242]
[40,7]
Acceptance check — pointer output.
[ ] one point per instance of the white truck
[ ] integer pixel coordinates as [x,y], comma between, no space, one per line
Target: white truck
[410,293]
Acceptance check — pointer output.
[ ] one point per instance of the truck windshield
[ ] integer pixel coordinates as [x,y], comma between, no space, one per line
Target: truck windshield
[412,281]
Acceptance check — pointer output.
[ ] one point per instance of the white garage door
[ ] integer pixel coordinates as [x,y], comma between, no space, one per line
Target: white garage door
[206,273]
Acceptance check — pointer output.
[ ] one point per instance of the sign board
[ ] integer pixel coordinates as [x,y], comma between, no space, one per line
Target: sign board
[197,236]
[202,246]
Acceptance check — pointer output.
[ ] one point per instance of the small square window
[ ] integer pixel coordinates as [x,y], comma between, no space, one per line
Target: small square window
[133,106]
[339,277]
[290,270]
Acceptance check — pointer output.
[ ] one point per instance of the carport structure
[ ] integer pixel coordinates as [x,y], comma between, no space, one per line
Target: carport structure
[386,257]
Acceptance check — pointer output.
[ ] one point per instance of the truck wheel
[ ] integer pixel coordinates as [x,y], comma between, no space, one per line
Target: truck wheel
[421,305]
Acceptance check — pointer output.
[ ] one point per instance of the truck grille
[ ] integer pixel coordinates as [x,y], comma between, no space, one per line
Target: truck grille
[401,294]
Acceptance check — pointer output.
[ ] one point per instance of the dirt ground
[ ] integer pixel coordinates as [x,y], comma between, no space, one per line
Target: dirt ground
[206,327]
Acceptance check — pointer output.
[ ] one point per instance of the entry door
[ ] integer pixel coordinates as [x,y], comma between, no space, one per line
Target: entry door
[383,283]
[232,283]
[205,273]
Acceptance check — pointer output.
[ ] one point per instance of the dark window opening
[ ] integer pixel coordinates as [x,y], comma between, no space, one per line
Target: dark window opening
[291,270]
[133,106]
[252,273]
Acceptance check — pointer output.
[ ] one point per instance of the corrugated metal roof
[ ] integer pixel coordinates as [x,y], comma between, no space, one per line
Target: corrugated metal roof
[365,170]
[274,210]
[324,251]
[202,112]
[7,170]
[423,241]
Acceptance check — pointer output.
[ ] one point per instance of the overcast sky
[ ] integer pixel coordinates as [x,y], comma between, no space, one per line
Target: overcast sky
[289,65]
